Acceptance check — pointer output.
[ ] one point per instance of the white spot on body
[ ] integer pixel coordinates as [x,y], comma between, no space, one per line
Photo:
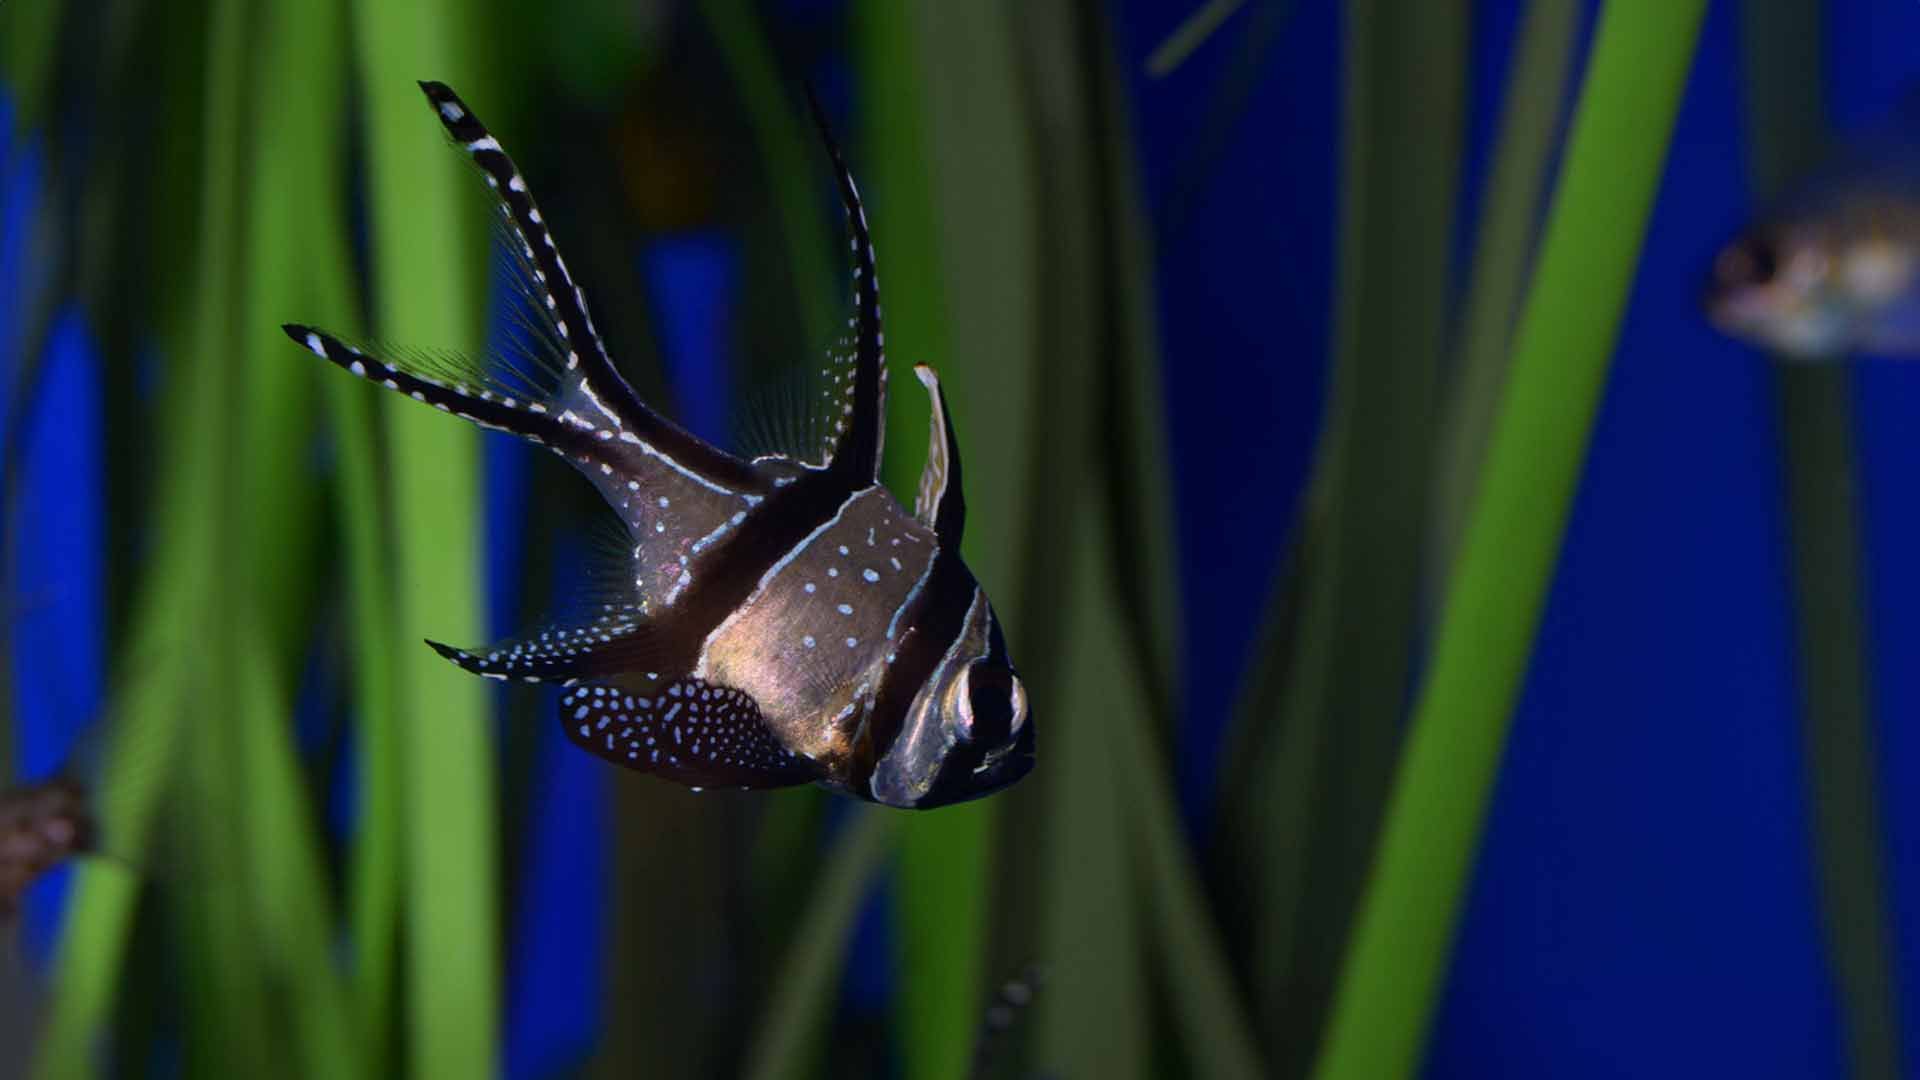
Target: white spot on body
[870,574]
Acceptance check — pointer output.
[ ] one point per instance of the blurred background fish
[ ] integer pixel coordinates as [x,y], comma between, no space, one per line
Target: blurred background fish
[41,825]
[1833,269]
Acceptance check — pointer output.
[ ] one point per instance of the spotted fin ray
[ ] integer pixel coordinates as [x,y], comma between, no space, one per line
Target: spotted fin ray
[859,432]
[677,494]
[686,730]
[615,641]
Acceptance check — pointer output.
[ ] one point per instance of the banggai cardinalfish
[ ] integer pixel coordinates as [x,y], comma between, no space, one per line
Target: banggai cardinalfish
[781,619]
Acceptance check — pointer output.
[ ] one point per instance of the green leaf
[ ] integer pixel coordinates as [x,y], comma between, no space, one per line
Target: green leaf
[1502,251]
[789,1035]
[1316,792]
[782,139]
[1193,32]
[1786,134]
[426,256]
[941,899]
[1403,937]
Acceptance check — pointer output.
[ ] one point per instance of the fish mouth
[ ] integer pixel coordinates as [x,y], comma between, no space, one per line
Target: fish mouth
[999,768]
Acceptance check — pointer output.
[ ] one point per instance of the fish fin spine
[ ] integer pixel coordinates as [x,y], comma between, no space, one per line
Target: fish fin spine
[530,419]
[618,641]
[940,503]
[859,432]
[591,390]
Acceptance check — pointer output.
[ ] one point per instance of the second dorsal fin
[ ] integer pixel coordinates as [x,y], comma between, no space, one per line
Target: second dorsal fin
[859,380]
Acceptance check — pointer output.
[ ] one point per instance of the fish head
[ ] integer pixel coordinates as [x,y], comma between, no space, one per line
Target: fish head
[969,732]
[1784,286]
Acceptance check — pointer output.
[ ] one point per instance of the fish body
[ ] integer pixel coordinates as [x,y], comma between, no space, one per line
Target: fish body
[782,619]
[41,826]
[1835,269]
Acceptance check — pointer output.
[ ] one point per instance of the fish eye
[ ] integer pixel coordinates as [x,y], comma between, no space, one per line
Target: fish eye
[990,704]
[1749,262]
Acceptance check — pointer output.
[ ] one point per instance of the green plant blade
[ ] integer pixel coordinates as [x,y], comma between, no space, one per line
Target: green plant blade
[1781,43]
[1193,32]
[781,139]
[1218,1040]
[941,899]
[788,1036]
[1094,1017]
[424,259]
[295,925]
[176,621]
[1503,247]
[1623,121]
[28,29]
[1318,792]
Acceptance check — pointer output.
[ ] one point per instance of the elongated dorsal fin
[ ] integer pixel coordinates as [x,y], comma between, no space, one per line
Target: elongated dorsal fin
[940,504]
[860,429]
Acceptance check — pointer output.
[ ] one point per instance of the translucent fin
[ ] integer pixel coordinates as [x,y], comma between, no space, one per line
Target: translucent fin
[563,322]
[859,381]
[563,301]
[788,415]
[553,383]
[616,641]
[684,730]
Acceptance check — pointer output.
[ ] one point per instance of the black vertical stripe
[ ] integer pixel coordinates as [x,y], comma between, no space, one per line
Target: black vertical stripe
[934,621]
